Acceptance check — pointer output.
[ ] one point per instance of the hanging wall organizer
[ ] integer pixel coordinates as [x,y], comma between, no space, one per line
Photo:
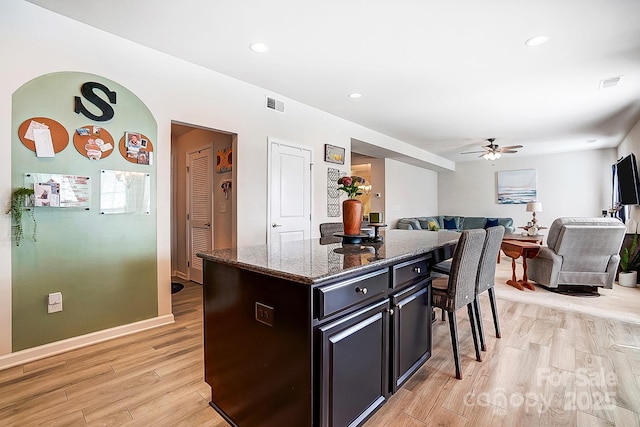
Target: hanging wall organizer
[57,133]
[93,142]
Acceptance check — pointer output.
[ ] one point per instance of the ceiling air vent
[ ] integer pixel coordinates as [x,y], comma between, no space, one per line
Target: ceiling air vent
[610,82]
[274,104]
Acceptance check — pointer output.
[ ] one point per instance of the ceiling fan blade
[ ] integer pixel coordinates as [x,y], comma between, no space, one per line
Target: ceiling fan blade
[508,151]
[510,147]
[472,152]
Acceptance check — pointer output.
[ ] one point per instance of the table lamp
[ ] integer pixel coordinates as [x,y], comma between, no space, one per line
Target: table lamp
[534,207]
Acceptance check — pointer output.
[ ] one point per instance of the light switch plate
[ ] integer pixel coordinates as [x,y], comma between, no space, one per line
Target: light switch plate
[55,302]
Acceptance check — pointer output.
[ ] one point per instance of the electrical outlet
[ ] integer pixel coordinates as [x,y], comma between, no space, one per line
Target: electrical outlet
[55,302]
[265,314]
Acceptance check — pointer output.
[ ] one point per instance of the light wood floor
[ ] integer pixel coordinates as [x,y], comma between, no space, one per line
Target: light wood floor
[550,368]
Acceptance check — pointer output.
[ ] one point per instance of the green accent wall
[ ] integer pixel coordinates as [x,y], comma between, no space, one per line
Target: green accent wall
[104,265]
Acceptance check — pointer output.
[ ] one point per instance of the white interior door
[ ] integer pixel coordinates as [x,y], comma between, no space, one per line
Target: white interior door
[289,192]
[200,209]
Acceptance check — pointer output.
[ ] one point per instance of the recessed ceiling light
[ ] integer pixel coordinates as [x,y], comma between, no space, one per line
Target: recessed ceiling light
[355,95]
[536,41]
[258,47]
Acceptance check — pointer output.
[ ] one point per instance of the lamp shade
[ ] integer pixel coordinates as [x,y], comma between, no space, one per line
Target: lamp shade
[534,207]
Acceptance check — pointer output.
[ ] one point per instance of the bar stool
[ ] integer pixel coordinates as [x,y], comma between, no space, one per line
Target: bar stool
[487,278]
[460,288]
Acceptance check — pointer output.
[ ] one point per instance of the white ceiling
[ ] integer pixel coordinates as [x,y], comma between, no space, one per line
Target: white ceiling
[441,75]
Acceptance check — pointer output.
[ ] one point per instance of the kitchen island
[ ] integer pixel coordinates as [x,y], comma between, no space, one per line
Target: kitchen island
[316,332]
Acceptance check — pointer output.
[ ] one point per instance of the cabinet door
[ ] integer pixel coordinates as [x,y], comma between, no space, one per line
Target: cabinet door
[411,336]
[353,366]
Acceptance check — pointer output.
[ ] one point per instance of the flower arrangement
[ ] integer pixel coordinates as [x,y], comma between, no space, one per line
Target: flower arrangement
[350,185]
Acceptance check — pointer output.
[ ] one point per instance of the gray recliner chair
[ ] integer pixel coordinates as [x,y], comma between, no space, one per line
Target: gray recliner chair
[579,252]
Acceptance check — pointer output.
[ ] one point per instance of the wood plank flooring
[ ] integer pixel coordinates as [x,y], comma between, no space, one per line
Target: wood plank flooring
[549,368]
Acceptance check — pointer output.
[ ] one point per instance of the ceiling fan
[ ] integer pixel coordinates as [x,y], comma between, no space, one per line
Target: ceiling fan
[493,151]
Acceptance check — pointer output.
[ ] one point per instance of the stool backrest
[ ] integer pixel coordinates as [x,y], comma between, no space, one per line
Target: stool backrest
[489,258]
[464,268]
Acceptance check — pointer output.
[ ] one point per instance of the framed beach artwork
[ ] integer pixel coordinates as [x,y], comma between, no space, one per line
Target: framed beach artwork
[516,187]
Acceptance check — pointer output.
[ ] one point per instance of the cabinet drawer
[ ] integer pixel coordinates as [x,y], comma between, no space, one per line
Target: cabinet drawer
[337,297]
[410,271]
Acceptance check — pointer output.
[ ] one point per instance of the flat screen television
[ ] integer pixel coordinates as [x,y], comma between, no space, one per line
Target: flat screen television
[628,183]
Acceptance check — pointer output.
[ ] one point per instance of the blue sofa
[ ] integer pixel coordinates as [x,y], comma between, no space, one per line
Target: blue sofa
[455,223]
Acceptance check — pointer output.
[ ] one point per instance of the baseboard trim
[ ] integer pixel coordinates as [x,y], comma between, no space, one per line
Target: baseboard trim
[51,349]
[181,275]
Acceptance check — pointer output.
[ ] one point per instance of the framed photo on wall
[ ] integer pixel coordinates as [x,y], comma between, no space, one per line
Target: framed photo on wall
[333,154]
[517,186]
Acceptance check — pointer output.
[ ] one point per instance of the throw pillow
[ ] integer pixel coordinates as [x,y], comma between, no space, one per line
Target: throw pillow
[413,223]
[433,226]
[450,224]
[491,222]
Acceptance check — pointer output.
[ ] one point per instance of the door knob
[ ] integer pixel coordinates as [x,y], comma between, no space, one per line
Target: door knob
[208,224]
[274,225]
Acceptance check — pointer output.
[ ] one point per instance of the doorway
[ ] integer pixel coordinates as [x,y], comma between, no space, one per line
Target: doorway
[289,195]
[373,170]
[198,196]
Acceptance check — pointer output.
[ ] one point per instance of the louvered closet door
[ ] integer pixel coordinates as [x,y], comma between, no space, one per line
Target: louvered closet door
[200,215]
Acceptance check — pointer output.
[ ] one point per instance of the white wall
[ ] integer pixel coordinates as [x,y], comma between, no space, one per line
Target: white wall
[34,41]
[411,191]
[570,184]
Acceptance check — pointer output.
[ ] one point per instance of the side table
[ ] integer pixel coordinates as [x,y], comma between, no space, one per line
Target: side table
[522,238]
[516,249]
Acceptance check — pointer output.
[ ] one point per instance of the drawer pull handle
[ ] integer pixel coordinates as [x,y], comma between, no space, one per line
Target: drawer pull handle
[362,291]
[391,312]
[417,270]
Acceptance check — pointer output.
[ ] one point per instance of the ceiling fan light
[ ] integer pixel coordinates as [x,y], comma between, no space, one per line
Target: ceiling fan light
[487,156]
[497,156]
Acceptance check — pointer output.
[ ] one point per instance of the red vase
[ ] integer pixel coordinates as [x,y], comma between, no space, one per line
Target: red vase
[352,216]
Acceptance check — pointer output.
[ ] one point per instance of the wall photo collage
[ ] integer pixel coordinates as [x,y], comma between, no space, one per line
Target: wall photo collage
[47,137]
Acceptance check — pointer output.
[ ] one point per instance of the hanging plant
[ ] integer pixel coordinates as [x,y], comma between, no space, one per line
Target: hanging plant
[18,207]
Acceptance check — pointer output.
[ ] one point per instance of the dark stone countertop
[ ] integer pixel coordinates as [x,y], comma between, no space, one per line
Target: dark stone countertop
[317,260]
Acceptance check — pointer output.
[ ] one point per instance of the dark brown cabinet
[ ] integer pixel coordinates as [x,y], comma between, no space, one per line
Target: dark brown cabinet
[325,354]
[368,353]
[354,366]
[411,331]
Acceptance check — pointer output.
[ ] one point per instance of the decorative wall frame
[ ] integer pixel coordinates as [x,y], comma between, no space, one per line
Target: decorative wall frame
[333,195]
[517,186]
[224,160]
[333,154]
[125,192]
[137,148]
[59,135]
[57,190]
[93,142]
